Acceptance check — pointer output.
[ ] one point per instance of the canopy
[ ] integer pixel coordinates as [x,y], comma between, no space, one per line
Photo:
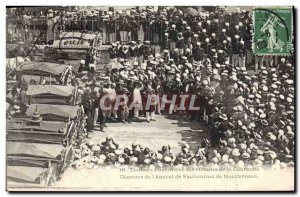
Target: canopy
[59,110]
[48,126]
[41,68]
[13,63]
[33,150]
[59,90]
[21,173]
[49,80]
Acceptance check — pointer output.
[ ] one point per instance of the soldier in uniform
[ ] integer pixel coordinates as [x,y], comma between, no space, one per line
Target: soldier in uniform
[248,46]
[165,42]
[98,115]
[158,87]
[214,41]
[198,53]
[227,48]
[111,27]
[222,36]
[151,111]
[119,49]
[173,35]
[134,30]
[113,52]
[207,47]
[87,103]
[235,51]
[123,107]
[146,50]
[180,44]
[195,39]
[166,56]
[222,57]
[133,52]
[242,54]
[140,47]
[124,53]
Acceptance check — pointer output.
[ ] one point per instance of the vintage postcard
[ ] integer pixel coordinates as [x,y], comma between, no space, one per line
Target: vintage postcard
[150,98]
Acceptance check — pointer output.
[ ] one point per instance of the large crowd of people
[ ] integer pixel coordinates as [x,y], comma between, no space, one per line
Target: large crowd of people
[246,101]
[92,155]
[250,111]
[216,27]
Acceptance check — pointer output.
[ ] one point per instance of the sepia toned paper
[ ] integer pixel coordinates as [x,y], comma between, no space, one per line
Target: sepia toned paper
[150,98]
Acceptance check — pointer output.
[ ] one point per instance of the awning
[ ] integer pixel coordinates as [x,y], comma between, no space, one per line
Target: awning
[50,89]
[27,174]
[41,68]
[36,150]
[58,110]
[50,126]
[49,80]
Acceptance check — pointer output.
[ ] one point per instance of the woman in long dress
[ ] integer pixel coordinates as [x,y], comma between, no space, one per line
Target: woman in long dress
[137,98]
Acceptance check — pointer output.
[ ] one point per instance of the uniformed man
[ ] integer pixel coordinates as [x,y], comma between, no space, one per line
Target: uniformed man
[113,52]
[180,43]
[173,35]
[146,50]
[165,42]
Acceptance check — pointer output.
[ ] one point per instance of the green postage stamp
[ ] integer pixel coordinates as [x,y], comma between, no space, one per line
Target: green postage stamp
[273,31]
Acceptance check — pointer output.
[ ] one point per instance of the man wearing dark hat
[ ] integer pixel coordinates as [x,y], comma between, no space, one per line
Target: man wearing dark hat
[98,114]
[88,105]
[158,87]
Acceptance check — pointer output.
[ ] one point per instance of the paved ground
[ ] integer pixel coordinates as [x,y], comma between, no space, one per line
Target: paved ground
[155,134]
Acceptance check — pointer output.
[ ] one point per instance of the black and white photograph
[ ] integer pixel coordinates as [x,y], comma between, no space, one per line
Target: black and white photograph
[150,98]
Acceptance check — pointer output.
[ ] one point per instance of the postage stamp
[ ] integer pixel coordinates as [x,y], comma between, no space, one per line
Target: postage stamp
[273,30]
